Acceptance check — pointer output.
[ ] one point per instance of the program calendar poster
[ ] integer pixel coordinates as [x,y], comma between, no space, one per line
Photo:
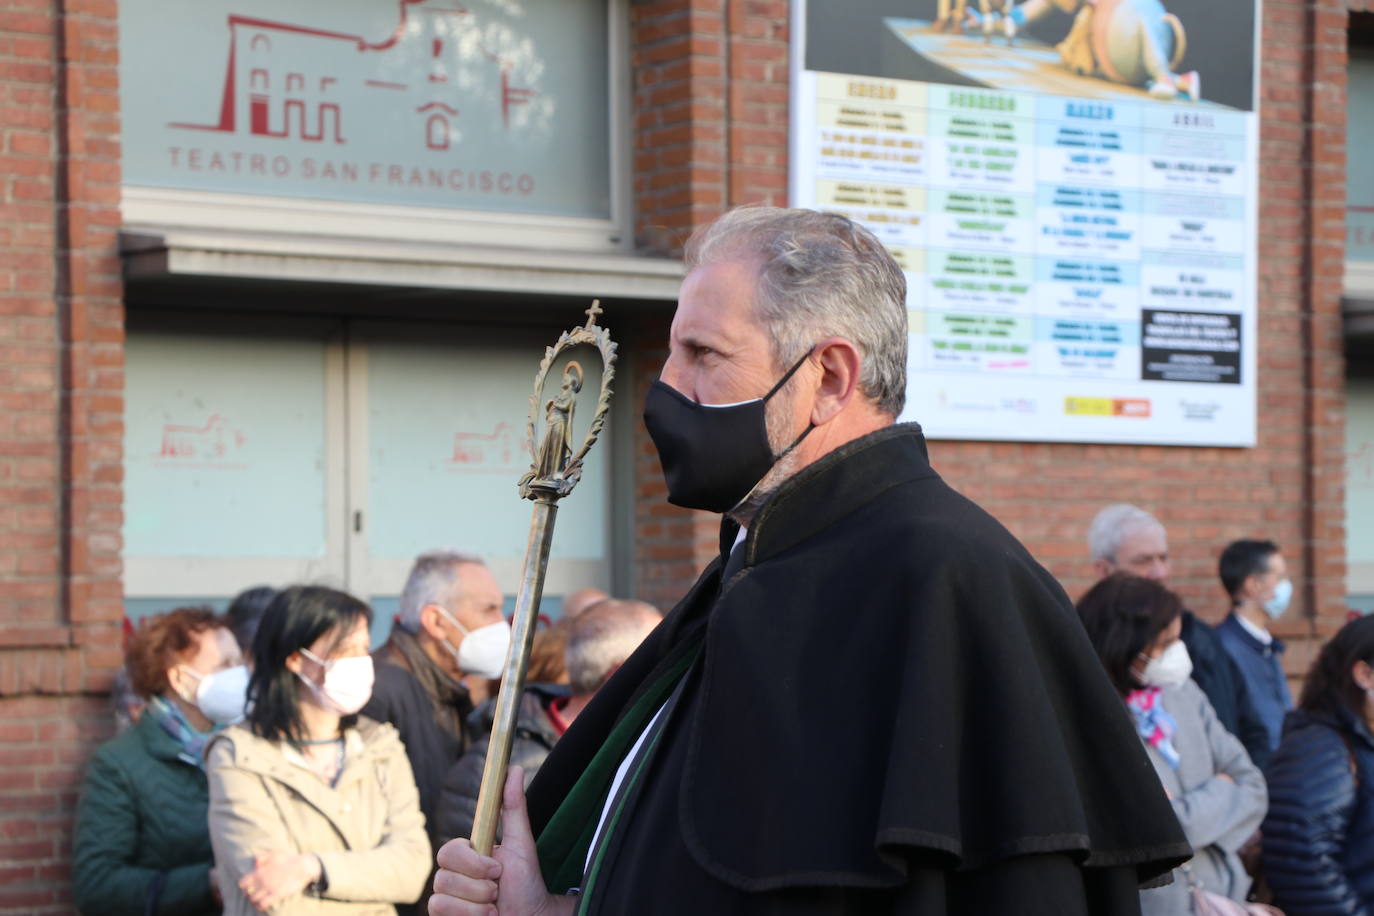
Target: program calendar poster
[1071,189]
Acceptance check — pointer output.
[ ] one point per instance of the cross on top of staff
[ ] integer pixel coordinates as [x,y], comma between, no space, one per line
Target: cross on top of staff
[592,312]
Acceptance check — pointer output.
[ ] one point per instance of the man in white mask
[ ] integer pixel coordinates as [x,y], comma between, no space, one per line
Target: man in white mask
[1256,580]
[449,628]
[598,640]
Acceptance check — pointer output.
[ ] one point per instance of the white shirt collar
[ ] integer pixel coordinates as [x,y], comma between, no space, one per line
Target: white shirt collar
[1258,632]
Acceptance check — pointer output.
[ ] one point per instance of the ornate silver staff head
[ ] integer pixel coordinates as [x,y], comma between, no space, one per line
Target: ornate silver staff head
[555,467]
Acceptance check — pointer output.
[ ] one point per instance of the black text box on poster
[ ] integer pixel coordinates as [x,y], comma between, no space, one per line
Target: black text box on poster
[1190,347]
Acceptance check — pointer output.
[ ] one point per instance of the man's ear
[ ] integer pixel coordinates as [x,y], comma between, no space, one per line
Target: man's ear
[1103,568]
[431,623]
[840,363]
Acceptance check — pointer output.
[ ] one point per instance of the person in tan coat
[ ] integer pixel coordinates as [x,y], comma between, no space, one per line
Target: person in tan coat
[312,809]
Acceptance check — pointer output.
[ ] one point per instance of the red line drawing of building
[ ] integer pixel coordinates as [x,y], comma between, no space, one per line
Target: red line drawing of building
[439,125]
[498,447]
[286,77]
[1360,461]
[511,96]
[215,440]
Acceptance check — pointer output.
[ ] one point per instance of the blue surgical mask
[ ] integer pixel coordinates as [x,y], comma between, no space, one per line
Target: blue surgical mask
[1283,593]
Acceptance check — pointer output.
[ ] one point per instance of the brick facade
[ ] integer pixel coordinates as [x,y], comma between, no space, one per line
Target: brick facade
[710,90]
[61,426]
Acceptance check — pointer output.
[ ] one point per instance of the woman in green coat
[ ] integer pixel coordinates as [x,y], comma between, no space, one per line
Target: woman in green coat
[142,844]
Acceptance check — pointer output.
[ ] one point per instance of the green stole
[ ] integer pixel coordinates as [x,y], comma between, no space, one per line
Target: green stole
[564,843]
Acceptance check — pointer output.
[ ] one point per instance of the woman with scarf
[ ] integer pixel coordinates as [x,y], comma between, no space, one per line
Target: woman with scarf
[142,845]
[312,808]
[1217,793]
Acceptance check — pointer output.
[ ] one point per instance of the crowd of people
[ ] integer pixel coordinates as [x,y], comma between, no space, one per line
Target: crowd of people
[874,700]
[268,760]
[267,755]
[1274,799]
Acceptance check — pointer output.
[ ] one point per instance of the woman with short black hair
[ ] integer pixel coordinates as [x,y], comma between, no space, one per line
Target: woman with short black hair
[313,809]
[1217,793]
[1319,835]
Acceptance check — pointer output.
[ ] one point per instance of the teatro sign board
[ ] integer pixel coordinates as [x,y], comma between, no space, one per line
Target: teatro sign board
[482,105]
[1072,195]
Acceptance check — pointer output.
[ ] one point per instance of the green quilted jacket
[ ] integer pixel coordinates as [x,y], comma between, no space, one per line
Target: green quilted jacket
[142,845]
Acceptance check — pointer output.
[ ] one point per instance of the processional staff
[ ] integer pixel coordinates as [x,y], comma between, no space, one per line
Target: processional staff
[554,470]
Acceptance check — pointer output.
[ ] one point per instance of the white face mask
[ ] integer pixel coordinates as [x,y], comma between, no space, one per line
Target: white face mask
[221,695]
[1283,593]
[483,650]
[347,682]
[1170,669]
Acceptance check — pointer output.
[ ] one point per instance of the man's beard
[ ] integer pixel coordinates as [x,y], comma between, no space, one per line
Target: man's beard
[778,422]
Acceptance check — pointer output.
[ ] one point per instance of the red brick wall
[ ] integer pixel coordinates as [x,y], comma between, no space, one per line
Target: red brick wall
[47,740]
[61,378]
[1289,488]
[697,149]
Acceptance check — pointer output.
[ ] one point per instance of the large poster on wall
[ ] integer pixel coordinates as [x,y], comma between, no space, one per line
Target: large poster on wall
[1071,188]
[485,105]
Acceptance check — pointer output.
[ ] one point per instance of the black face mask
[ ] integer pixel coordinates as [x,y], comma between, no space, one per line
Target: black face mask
[712,457]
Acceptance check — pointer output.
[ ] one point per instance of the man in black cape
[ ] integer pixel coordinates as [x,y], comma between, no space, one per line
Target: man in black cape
[874,700]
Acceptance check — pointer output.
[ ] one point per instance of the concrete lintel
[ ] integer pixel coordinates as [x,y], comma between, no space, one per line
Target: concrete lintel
[149,254]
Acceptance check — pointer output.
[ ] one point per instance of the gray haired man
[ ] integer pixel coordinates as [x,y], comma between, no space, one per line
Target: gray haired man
[874,700]
[449,627]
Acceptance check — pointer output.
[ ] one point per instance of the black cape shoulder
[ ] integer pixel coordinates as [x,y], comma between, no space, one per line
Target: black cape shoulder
[890,677]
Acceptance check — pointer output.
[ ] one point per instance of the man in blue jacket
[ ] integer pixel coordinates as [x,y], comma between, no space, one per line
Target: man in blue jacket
[1256,578]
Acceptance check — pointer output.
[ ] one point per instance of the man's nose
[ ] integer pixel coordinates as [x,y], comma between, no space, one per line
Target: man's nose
[672,374]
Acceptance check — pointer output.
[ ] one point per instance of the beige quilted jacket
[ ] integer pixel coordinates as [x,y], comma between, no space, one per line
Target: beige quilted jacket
[367,829]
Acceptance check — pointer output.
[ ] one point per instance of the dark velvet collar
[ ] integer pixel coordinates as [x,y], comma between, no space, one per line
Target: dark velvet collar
[830,488]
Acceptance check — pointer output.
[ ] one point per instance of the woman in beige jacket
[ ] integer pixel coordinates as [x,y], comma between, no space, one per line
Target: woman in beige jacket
[313,810]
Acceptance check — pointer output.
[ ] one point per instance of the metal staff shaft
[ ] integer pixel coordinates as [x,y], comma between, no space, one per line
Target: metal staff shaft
[513,681]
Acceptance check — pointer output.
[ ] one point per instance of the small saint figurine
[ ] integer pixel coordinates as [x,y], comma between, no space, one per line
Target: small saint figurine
[558,411]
